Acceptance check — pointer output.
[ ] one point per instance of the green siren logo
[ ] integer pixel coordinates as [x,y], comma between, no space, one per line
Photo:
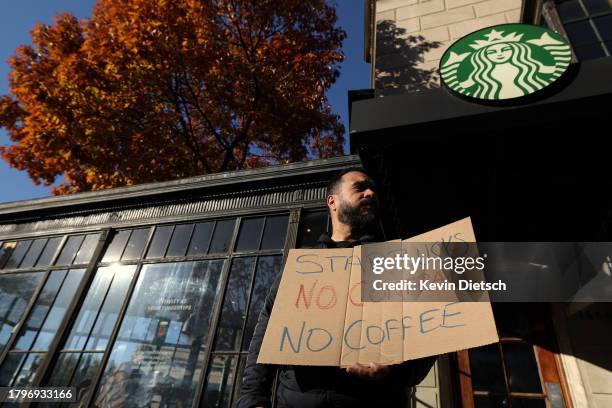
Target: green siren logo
[505,61]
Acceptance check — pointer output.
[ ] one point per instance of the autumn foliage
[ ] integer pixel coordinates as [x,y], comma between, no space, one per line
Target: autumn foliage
[152,90]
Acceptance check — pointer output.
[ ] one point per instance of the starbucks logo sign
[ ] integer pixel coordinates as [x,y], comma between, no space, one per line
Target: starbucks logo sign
[505,61]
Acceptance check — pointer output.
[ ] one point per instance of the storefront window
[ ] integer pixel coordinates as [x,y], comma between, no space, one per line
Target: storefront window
[80,358]
[36,335]
[158,355]
[249,282]
[262,233]
[144,332]
[313,224]
[212,237]
[16,290]
[512,373]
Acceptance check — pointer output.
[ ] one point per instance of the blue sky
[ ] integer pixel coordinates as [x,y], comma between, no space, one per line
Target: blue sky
[19,17]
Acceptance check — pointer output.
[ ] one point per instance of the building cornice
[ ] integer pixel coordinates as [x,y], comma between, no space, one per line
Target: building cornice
[146,191]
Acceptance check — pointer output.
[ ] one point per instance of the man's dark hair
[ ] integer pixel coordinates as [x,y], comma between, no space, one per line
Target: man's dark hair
[334,183]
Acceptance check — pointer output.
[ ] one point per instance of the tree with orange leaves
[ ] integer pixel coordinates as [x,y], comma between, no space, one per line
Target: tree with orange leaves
[153,90]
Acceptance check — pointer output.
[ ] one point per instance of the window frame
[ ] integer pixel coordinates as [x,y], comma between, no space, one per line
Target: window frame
[588,17]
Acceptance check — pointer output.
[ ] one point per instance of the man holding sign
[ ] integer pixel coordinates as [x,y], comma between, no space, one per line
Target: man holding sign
[353,205]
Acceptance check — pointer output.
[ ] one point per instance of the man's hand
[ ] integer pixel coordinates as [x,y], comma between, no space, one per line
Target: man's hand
[373,371]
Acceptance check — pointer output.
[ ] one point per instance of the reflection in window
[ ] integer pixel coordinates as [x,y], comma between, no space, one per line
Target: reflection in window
[180,240]
[136,244]
[159,243]
[18,252]
[268,269]
[33,253]
[16,291]
[275,232]
[235,304]
[41,326]
[116,246]
[92,328]
[6,249]
[313,224]
[262,233]
[222,237]
[46,257]
[87,249]
[201,238]
[250,234]
[158,355]
[219,381]
[69,250]
[211,237]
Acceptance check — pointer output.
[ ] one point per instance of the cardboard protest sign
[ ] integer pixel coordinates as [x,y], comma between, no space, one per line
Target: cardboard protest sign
[318,317]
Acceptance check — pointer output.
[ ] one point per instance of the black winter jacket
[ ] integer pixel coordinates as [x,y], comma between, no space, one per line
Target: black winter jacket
[315,386]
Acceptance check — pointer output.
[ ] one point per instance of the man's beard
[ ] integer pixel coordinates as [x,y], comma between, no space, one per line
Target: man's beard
[361,219]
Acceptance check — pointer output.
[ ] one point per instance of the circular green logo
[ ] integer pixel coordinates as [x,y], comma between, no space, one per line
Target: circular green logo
[505,61]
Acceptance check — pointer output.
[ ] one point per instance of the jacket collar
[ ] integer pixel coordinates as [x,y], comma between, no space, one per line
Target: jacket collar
[326,241]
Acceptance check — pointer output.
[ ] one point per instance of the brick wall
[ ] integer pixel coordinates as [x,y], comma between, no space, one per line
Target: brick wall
[412,35]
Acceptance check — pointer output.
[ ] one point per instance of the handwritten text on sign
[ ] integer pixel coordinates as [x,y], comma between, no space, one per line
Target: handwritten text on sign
[318,318]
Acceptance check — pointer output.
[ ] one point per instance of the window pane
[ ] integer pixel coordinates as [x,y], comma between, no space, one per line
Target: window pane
[136,244]
[15,294]
[33,253]
[47,255]
[486,368]
[5,251]
[70,249]
[63,370]
[239,375]
[581,33]
[59,309]
[234,304]
[104,298]
[84,376]
[201,238]
[162,340]
[522,368]
[597,6]
[159,243]
[222,237]
[17,255]
[528,403]
[250,234]
[591,51]
[220,381]
[268,268]
[604,26]
[115,248]
[87,249]
[28,370]
[275,232]
[180,240]
[570,10]
[40,310]
[109,313]
[10,368]
[490,401]
[313,224]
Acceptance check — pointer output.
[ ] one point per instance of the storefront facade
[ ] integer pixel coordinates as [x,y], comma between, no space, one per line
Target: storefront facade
[528,169]
[150,294]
